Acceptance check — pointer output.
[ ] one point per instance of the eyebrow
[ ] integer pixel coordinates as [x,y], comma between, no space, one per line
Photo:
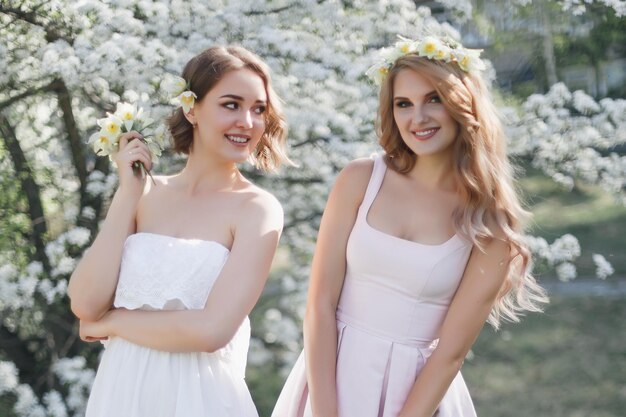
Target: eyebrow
[239,98]
[432,93]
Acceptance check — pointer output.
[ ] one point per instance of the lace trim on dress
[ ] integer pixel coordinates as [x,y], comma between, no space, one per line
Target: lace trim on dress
[158,269]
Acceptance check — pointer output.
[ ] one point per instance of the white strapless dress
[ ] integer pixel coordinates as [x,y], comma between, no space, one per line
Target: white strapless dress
[165,273]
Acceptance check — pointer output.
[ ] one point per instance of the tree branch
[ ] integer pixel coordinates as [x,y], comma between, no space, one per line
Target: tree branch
[31,17]
[25,94]
[271,11]
[15,350]
[31,190]
[73,135]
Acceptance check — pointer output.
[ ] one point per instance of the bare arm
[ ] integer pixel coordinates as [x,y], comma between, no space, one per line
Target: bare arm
[484,275]
[93,282]
[235,292]
[327,275]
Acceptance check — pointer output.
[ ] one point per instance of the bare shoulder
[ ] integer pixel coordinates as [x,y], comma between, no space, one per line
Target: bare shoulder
[159,185]
[262,205]
[358,170]
[498,236]
[352,180]
[154,194]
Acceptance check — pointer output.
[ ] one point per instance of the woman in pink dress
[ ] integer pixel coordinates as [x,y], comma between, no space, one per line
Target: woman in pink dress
[417,248]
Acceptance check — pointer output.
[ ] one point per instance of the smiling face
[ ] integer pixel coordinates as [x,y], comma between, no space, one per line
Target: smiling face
[425,125]
[231,116]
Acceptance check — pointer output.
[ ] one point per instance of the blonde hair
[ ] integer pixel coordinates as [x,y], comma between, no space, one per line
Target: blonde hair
[203,72]
[482,169]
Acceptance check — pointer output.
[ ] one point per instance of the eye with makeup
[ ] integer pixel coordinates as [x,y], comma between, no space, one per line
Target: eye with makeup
[434,98]
[231,105]
[402,104]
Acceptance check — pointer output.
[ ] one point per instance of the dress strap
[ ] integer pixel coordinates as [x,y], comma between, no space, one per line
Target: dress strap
[376,180]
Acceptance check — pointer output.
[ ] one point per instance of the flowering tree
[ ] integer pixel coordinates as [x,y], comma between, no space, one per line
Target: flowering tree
[67,62]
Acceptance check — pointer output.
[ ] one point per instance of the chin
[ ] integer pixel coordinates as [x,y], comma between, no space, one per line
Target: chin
[238,159]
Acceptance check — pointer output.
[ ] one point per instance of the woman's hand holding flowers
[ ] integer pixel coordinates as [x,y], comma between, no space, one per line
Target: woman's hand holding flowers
[129,122]
[132,150]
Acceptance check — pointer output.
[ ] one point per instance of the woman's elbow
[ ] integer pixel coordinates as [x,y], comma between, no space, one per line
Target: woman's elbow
[85,311]
[453,359]
[216,340]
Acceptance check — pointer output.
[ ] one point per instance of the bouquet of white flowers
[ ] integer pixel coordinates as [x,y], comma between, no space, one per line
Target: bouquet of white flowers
[127,117]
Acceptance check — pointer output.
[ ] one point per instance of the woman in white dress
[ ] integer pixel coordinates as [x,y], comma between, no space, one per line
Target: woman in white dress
[178,265]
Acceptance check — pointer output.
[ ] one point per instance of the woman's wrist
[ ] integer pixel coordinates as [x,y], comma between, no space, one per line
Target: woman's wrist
[112,322]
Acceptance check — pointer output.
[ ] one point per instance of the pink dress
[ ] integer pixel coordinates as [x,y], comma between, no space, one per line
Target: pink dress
[395,296]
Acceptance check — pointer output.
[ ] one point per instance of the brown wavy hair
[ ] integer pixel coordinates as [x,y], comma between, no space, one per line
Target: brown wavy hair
[482,171]
[203,72]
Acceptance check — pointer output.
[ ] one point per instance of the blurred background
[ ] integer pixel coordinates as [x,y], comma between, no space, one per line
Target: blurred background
[558,72]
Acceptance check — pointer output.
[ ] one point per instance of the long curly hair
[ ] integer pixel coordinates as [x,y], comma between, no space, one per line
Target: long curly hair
[482,171]
[203,72]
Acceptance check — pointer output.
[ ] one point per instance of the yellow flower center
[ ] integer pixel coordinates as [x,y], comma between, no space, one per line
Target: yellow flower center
[405,48]
[465,61]
[187,99]
[127,115]
[103,139]
[383,70]
[112,127]
[429,47]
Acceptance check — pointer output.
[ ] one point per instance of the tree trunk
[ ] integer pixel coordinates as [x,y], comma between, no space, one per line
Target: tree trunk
[548,46]
[31,189]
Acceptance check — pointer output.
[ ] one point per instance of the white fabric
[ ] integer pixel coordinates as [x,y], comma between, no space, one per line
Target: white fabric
[165,273]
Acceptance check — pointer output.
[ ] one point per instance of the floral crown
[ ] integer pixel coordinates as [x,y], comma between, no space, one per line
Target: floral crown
[178,90]
[430,47]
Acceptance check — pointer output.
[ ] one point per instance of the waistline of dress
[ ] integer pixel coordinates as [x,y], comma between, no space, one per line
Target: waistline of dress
[347,320]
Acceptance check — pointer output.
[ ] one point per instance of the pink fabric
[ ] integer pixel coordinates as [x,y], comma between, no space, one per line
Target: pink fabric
[394,299]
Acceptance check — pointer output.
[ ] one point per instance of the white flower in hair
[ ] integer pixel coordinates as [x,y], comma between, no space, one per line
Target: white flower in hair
[173,86]
[469,60]
[444,53]
[390,54]
[178,90]
[431,47]
[377,72]
[187,99]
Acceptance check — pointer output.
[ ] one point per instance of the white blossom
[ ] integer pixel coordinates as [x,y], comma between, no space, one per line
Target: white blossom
[78,236]
[565,248]
[603,267]
[8,377]
[27,403]
[88,213]
[54,404]
[566,271]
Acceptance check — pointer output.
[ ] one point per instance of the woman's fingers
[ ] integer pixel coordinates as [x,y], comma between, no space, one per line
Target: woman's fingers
[94,339]
[143,156]
[128,138]
[132,149]
[88,329]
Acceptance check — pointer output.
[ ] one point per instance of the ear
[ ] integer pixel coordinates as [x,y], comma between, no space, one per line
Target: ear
[190,116]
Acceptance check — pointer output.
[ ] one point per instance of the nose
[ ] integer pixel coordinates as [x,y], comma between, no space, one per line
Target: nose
[245,120]
[420,115]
